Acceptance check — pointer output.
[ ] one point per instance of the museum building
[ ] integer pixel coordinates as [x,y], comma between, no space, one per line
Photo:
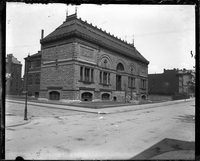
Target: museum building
[80,62]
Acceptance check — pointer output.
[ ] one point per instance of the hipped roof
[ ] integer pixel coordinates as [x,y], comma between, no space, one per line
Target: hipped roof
[75,26]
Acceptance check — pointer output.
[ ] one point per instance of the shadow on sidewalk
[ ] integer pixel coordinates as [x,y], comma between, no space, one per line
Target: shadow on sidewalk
[164,147]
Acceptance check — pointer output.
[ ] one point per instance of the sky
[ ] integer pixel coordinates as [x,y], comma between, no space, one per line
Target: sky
[163,34]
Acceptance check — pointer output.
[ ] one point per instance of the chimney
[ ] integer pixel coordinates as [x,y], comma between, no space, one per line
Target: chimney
[42,34]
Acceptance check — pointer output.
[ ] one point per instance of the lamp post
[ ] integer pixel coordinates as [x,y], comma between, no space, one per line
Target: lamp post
[25,110]
[125,92]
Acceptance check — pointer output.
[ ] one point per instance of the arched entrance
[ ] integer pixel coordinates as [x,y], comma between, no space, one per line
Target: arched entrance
[105,96]
[86,96]
[115,98]
[36,94]
[143,97]
[54,95]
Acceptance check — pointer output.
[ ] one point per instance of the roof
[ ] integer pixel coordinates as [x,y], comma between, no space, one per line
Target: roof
[75,26]
[34,55]
[14,60]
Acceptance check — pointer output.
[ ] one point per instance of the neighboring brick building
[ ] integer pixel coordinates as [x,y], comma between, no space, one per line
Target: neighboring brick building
[170,82]
[14,68]
[34,64]
[83,63]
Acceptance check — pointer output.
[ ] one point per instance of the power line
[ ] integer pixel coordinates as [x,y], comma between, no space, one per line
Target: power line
[21,46]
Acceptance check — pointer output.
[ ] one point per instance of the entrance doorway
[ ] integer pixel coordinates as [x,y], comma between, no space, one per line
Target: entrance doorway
[86,96]
[118,82]
[36,94]
[54,95]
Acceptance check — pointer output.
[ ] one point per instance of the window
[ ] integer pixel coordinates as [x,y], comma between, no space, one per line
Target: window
[92,77]
[38,63]
[37,79]
[120,67]
[143,84]
[81,73]
[86,74]
[30,80]
[131,82]
[104,78]
[100,77]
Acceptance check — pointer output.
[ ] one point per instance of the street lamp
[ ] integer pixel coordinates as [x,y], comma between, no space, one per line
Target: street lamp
[25,110]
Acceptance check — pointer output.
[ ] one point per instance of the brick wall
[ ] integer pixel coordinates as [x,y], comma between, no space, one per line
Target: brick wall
[58,52]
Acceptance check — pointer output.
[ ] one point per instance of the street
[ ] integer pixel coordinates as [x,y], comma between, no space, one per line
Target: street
[63,134]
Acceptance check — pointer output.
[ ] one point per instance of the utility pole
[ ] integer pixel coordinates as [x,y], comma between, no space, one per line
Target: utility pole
[25,110]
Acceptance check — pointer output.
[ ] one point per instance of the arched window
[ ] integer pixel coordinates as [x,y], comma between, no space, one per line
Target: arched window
[37,79]
[120,67]
[105,96]
[86,96]
[30,80]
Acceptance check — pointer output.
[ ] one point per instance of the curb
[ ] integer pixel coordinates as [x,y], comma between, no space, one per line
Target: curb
[104,110]
[149,107]
[29,120]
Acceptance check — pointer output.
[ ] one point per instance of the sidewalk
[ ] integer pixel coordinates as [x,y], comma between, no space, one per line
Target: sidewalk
[12,120]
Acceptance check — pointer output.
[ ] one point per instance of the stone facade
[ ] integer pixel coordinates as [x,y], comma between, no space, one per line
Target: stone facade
[76,69]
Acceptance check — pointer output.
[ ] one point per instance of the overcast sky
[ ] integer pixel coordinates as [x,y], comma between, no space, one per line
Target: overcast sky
[163,34]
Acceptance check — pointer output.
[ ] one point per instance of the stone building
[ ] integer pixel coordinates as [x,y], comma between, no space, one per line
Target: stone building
[33,62]
[83,63]
[13,70]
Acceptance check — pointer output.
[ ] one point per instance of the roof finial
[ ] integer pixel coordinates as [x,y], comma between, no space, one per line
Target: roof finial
[76,10]
[67,12]
[133,41]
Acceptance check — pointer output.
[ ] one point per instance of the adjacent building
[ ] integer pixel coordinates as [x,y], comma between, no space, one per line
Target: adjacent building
[13,70]
[170,82]
[80,62]
[32,72]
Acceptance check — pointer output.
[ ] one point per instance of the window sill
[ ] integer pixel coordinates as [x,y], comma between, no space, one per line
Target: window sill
[104,84]
[132,87]
[86,82]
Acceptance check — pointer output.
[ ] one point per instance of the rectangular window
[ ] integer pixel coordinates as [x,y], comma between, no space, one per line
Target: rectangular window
[100,78]
[81,73]
[38,63]
[131,82]
[104,78]
[92,75]
[143,84]
[108,78]
[87,74]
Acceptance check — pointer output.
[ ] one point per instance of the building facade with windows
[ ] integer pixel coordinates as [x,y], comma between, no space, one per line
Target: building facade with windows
[13,80]
[80,62]
[32,73]
[171,82]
